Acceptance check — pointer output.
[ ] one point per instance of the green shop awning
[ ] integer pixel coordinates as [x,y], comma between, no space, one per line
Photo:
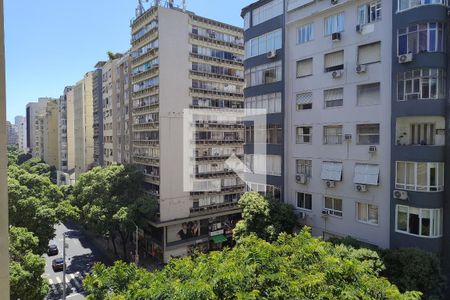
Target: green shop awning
[218,238]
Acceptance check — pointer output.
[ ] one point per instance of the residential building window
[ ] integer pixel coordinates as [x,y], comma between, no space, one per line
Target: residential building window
[419,221]
[367,174]
[369,54]
[369,13]
[331,170]
[304,101]
[334,23]
[264,43]
[422,133]
[304,135]
[367,213]
[271,102]
[333,97]
[263,74]
[263,189]
[407,4]
[368,94]
[247,21]
[267,12]
[368,134]
[304,201]
[334,61]
[334,206]
[305,33]
[274,134]
[304,67]
[304,166]
[263,164]
[421,84]
[425,37]
[420,176]
[332,135]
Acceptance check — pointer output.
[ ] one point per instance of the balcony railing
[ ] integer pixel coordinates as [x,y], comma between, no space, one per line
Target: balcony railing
[213,208]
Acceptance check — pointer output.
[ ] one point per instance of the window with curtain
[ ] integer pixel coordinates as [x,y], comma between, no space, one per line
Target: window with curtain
[420,176]
[263,43]
[368,94]
[422,133]
[305,33]
[369,13]
[421,84]
[271,102]
[369,54]
[304,101]
[267,12]
[332,135]
[334,23]
[304,166]
[333,97]
[419,221]
[334,206]
[334,61]
[367,174]
[304,135]
[368,134]
[331,171]
[367,213]
[424,37]
[304,67]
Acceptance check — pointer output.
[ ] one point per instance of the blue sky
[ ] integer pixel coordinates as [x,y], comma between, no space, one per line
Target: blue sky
[51,43]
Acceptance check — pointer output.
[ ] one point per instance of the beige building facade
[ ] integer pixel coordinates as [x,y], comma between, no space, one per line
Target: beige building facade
[181,61]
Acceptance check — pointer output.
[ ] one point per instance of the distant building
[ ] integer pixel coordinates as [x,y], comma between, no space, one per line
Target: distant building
[11,130]
[97,95]
[20,123]
[34,125]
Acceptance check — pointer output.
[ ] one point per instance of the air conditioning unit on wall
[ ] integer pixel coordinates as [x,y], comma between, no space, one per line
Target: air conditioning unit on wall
[271,54]
[361,188]
[337,74]
[401,195]
[330,184]
[405,58]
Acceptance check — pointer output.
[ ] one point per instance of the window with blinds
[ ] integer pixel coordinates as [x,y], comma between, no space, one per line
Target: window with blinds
[304,101]
[366,174]
[369,54]
[332,135]
[304,67]
[333,97]
[368,94]
[422,133]
[334,61]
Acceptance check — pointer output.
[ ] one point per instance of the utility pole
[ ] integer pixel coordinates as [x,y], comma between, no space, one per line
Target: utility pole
[64,266]
[136,251]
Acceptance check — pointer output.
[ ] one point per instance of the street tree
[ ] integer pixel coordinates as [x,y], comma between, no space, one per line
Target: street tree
[112,202]
[26,265]
[292,267]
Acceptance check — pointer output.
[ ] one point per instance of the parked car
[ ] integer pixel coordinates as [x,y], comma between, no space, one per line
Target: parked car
[52,250]
[58,264]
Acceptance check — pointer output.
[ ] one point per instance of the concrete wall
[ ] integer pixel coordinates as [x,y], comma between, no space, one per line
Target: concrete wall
[349,115]
[174,96]
[4,256]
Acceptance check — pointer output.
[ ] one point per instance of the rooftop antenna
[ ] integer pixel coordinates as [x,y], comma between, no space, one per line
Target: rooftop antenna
[184,5]
[140,8]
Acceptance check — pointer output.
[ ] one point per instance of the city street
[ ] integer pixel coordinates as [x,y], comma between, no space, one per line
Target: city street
[80,255]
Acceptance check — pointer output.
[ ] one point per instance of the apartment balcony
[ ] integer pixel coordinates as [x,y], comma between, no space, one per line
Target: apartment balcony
[215,94]
[237,142]
[152,72]
[138,22]
[209,209]
[146,142]
[145,109]
[147,37]
[216,158]
[149,55]
[195,57]
[145,34]
[146,160]
[205,75]
[209,126]
[154,179]
[146,126]
[146,91]
[222,174]
[195,38]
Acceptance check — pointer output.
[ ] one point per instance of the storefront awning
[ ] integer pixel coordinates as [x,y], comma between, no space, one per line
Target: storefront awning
[218,238]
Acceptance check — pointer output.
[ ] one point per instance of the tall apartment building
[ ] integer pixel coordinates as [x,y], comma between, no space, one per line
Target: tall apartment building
[20,123]
[116,96]
[33,110]
[11,131]
[97,94]
[179,61]
[50,146]
[365,118]
[81,117]
[264,78]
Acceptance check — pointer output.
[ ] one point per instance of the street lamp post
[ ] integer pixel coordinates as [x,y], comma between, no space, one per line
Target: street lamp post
[64,266]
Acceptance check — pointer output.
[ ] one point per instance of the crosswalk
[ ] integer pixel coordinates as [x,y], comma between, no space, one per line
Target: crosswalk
[73,281]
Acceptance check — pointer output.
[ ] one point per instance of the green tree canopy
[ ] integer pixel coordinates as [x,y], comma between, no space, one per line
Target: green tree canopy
[292,267]
[263,217]
[25,266]
[112,201]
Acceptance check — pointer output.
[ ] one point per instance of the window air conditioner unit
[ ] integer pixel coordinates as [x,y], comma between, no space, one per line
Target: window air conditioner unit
[334,2]
[336,74]
[405,58]
[330,184]
[372,149]
[359,28]
[271,54]
[300,178]
[348,137]
[325,212]
[401,195]
[336,36]
[361,188]
[361,69]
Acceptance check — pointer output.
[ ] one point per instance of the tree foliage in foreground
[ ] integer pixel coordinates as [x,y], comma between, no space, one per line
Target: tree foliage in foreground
[292,267]
[25,266]
[266,218]
[112,200]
